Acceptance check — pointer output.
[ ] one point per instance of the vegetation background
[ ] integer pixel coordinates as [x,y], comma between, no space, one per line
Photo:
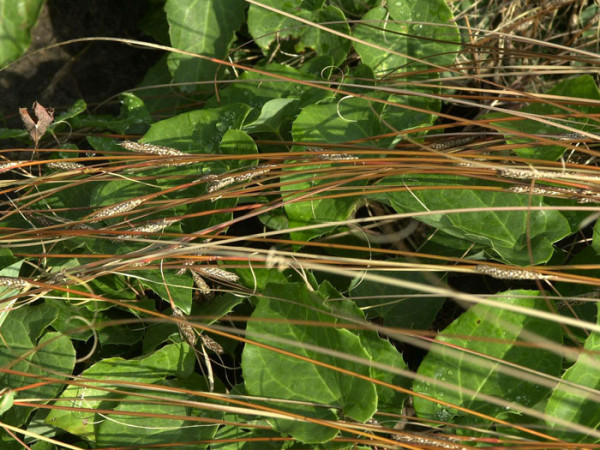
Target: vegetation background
[304,223]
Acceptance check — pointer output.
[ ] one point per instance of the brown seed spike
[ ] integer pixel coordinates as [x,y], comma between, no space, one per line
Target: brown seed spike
[151,149]
[115,209]
[14,282]
[186,330]
[211,344]
[200,283]
[150,227]
[158,150]
[219,274]
[509,274]
[10,165]
[65,165]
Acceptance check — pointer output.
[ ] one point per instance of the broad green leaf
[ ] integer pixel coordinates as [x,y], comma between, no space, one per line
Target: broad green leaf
[55,355]
[399,308]
[179,286]
[396,117]
[256,89]
[74,316]
[74,110]
[267,27]
[349,120]
[18,17]
[134,117]
[503,233]
[118,191]
[596,238]
[382,351]
[580,87]
[206,27]
[9,269]
[159,99]
[199,131]
[237,142]
[392,27]
[12,133]
[357,7]
[217,307]
[272,115]
[267,373]
[144,432]
[6,401]
[325,43]
[71,199]
[175,360]
[231,437]
[493,332]
[389,34]
[572,404]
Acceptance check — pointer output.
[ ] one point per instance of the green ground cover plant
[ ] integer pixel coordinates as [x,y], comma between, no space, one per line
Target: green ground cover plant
[314,224]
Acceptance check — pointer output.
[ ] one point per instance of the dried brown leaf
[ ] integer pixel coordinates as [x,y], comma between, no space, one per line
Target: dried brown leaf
[36,129]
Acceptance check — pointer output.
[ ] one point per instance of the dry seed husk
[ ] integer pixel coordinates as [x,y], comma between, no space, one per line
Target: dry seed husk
[509,274]
[219,274]
[158,150]
[66,165]
[211,344]
[14,282]
[115,209]
[186,330]
[150,227]
[202,286]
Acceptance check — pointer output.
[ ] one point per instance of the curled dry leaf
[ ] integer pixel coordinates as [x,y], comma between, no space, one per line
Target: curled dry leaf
[36,129]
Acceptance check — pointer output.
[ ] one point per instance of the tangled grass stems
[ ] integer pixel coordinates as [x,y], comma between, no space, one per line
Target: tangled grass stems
[275,227]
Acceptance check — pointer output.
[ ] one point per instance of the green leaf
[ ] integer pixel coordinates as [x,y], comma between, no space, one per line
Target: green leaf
[144,432]
[232,437]
[179,286]
[596,238]
[6,401]
[267,373]
[398,307]
[255,90]
[357,7]
[74,110]
[272,115]
[199,131]
[54,356]
[18,17]
[393,28]
[206,27]
[382,351]
[155,95]
[267,27]
[6,292]
[580,87]
[175,360]
[133,118]
[503,233]
[347,120]
[217,307]
[493,332]
[575,405]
